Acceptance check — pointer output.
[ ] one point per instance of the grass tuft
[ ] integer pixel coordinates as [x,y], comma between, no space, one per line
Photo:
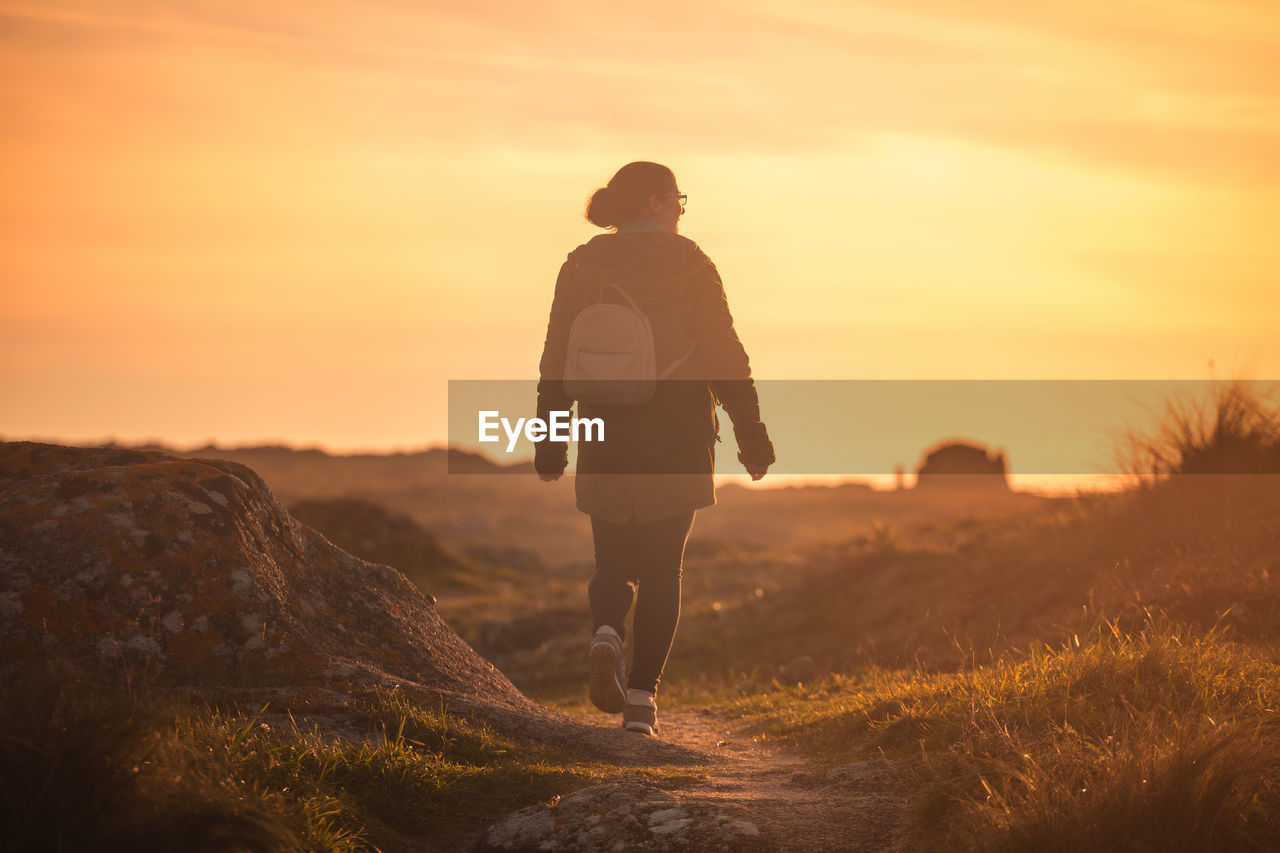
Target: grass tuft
[1179,787]
[1235,430]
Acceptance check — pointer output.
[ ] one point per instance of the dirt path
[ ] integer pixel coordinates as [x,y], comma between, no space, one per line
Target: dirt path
[754,797]
[851,808]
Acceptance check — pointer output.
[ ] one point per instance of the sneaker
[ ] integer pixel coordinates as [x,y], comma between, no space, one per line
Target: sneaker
[641,713]
[607,665]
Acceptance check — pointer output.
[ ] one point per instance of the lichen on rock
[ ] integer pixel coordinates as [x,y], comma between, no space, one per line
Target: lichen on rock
[192,569]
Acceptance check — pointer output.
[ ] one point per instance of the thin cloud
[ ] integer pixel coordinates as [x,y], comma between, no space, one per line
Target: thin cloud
[1120,89]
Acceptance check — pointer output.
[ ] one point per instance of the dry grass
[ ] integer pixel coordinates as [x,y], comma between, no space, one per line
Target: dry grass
[72,763]
[89,765]
[1159,740]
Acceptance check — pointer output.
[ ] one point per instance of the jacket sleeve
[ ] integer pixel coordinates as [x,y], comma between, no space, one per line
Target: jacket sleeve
[729,370]
[551,457]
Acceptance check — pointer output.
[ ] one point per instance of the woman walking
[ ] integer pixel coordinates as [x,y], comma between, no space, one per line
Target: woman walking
[654,470]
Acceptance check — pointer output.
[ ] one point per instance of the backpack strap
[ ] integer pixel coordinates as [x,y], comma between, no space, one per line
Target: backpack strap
[671,368]
[679,361]
[618,288]
[693,345]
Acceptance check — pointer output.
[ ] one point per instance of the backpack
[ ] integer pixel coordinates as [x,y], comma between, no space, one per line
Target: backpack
[610,358]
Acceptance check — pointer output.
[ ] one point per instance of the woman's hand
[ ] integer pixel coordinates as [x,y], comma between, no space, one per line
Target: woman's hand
[550,458]
[755,451]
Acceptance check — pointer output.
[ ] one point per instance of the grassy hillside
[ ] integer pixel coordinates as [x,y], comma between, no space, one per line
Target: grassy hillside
[1098,674]
[1107,681]
[1093,673]
[1102,675]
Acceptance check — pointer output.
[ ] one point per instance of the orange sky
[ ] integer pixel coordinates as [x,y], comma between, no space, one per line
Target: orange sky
[297,221]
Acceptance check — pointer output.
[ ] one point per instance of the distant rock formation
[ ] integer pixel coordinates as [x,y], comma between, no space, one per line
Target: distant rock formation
[379,535]
[192,569]
[961,464]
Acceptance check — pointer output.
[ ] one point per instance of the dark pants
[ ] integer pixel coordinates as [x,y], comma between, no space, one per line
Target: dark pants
[640,562]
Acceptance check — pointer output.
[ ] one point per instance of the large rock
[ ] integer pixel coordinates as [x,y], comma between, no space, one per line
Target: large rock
[191,569]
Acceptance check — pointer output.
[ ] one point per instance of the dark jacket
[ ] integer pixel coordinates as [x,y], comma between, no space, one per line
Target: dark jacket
[657,459]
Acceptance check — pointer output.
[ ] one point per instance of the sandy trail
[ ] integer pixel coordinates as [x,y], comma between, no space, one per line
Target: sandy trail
[795,806]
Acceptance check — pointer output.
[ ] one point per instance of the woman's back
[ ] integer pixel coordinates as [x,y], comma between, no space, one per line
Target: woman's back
[658,458]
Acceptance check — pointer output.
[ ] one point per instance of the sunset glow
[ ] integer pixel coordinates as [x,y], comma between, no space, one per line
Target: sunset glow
[297,222]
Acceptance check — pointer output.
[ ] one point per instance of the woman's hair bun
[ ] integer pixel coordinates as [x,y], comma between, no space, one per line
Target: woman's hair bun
[602,209]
